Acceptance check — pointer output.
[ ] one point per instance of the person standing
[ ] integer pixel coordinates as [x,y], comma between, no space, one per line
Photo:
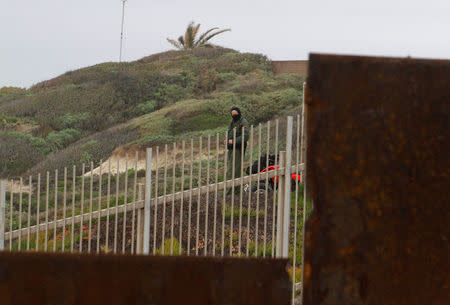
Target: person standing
[241,126]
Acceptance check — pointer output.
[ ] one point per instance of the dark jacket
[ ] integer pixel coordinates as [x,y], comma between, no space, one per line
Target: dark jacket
[241,138]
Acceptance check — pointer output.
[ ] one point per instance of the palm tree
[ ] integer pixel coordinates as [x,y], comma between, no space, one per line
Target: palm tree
[190,40]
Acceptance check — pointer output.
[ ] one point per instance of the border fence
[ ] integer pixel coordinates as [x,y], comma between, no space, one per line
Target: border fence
[184,198]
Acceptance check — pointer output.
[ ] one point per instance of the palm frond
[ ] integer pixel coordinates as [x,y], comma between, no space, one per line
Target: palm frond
[206,39]
[195,32]
[175,43]
[204,35]
[181,40]
[188,36]
[189,40]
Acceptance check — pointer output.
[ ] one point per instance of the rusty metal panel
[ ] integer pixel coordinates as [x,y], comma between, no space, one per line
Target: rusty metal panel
[113,280]
[378,167]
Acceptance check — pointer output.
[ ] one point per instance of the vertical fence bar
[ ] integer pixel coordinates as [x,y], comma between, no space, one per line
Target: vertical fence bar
[64,209]
[287,186]
[133,218]
[163,234]
[55,214]
[249,189]
[182,197]
[233,175]
[140,221]
[20,214]
[46,211]
[116,217]
[304,173]
[191,168]
[155,229]
[241,187]
[108,204]
[2,213]
[281,202]
[207,195]
[148,195]
[72,233]
[199,185]
[125,204]
[276,189]
[83,169]
[266,187]
[297,160]
[174,165]
[38,207]
[30,185]
[91,190]
[257,191]
[100,177]
[225,158]
[11,208]
[215,195]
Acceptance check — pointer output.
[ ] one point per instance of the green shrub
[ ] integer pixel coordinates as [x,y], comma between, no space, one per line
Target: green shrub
[147,107]
[167,247]
[260,250]
[73,120]
[63,138]
[88,144]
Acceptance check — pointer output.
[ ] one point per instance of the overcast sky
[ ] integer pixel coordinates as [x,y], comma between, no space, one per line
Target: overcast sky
[41,39]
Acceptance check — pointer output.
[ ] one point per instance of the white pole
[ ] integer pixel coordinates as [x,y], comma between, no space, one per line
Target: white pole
[121,31]
[280,208]
[148,194]
[287,188]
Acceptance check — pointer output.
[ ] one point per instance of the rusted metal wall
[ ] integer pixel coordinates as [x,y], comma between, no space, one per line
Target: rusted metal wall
[81,279]
[378,168]
[299,67]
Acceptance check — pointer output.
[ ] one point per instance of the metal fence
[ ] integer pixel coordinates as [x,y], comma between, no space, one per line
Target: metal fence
[185,198]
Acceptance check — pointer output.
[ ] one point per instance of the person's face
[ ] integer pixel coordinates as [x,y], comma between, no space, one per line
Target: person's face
[234,112]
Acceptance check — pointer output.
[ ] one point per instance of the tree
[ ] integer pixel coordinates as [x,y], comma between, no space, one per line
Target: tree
[190,40]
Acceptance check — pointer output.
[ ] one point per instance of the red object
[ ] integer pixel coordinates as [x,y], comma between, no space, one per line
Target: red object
[294,176]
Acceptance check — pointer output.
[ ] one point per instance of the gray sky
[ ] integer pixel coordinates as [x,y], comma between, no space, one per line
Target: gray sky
[41,39]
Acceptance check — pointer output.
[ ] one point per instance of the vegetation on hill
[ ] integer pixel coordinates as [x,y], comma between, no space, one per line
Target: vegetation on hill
[84,115]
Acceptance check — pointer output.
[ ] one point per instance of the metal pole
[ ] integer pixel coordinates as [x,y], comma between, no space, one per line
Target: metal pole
[148,194]
[140,216]
[287,187]
[2,213]
[121,31]
[280,210]
[303,160]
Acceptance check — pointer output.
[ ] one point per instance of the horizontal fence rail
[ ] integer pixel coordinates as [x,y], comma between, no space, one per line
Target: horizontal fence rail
[206,196]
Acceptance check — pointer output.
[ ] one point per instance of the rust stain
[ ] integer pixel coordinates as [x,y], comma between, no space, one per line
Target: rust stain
[122,280]
[378,172]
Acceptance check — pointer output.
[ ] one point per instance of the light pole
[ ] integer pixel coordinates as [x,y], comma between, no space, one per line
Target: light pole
[121,32]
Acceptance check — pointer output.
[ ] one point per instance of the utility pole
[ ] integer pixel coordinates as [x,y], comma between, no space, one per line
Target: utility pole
[121,32]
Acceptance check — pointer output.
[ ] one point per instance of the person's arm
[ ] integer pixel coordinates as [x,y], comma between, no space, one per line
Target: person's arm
[244,134]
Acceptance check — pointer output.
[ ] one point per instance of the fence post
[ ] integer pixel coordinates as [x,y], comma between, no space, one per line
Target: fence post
[2,213]
[304,145]
[287,187]
[148,194]
[280,208]
[140,223]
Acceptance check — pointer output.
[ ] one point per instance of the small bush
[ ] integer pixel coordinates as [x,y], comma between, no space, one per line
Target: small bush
[63,138]
[88,144]
[73,120]
[167,247]
[147,107]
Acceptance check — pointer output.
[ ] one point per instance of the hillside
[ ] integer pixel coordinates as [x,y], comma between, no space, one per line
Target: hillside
[84,115]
